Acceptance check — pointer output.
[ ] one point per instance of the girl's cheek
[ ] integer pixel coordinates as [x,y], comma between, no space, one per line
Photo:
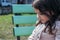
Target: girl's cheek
[44,19]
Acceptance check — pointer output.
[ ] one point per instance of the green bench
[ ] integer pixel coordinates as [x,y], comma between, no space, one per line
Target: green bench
[22,20]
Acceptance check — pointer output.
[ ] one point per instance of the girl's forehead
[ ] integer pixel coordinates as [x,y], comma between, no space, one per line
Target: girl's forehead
[35,1]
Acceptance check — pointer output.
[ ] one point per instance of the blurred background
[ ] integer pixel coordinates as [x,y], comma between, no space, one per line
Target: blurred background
[6,5]
[6,26]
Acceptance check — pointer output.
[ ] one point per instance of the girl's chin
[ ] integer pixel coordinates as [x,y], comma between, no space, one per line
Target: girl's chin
[43,22]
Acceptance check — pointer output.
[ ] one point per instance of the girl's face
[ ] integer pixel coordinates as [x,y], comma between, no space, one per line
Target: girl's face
[43,18]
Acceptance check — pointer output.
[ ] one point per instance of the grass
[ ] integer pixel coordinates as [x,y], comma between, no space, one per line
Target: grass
[6,28]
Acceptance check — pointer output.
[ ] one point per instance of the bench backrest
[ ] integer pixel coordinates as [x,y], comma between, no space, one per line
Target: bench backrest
[23,19]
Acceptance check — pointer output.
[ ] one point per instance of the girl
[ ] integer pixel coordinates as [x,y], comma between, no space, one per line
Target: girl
[48,26]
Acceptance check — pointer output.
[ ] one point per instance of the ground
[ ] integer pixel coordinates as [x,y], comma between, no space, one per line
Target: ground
[6,28]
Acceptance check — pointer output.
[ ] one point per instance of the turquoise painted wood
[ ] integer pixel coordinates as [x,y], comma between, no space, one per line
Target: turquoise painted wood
[23,31]
[22,8]
[30,19]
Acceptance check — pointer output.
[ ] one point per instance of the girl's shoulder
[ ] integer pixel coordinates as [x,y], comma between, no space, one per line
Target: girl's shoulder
[58,27]
[58,24]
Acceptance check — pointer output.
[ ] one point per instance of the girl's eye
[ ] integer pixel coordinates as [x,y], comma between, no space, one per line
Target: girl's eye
[41,14]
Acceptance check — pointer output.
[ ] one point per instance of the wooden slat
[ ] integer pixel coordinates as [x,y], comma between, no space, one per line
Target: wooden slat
[23,31]
[30,19]
[22,8]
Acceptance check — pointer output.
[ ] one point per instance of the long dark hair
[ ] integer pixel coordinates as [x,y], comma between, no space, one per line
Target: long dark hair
[53,7]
